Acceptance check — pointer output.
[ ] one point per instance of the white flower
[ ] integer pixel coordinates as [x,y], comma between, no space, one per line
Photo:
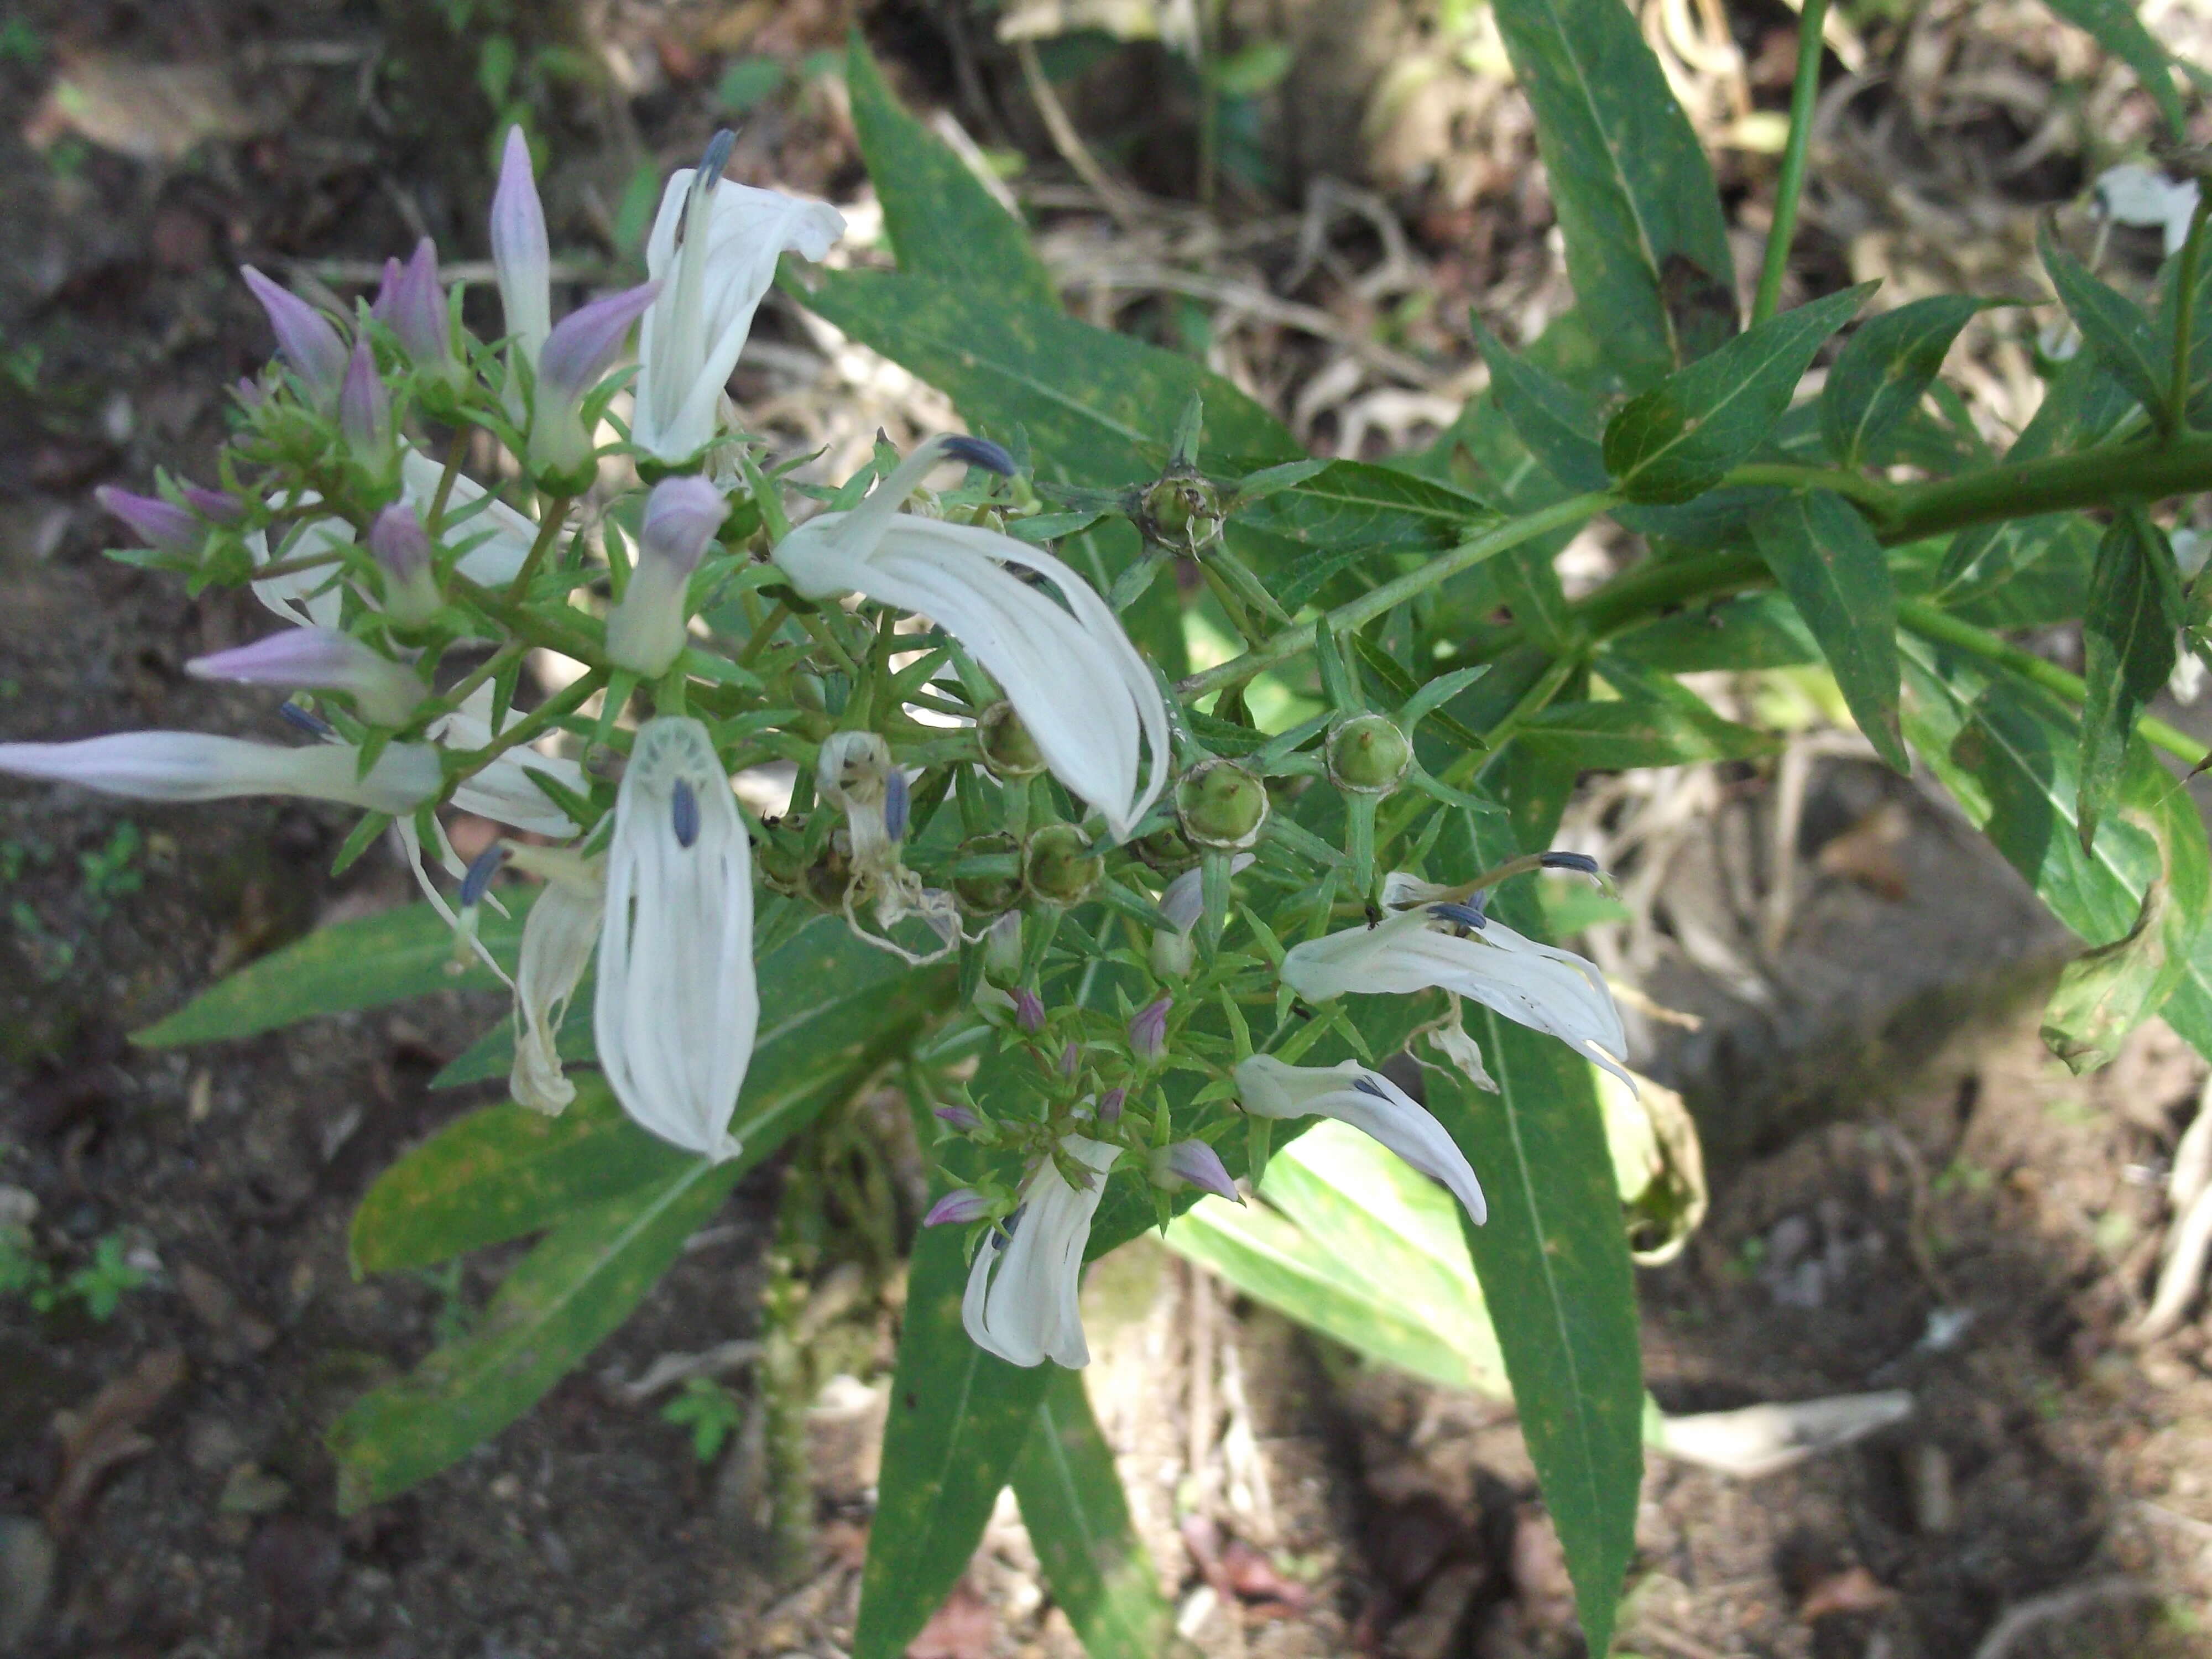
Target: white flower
[1457,948]
[199,766]
[1021,1302]
[712,278]
[557,938]
[1091,706]
[1370,1103]
[677,1007]
[2133,194]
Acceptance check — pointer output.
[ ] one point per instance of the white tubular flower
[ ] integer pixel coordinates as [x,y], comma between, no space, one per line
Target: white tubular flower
[2133,194]
[322,660]
[1456,947]
[677,1007]
[646,632]
[1021,1302]
[713,250]
[199,766]
[520,255]
[1091,704]
[503,790]
[1370,1103]
[557,939]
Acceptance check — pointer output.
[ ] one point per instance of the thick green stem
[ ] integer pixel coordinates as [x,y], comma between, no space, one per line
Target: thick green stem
[1804,95]
[533,626]
[2095,478]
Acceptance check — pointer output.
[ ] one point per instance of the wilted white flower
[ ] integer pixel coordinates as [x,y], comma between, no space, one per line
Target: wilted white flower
[1091,706]
[677,1007]
[1370,1103]
[854,772]
[557,939]
[714,251]
[2133,194]
[1021,1303]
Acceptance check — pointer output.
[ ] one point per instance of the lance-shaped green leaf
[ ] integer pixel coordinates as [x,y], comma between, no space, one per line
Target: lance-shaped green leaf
[1357,505]
[1834,570]
[940,219]
[1884,370]
[2129,634]
[1647,247]
[1677,441]
[1077,1518]
[2121,33]
[1557,422]
[1615,735]
[2113,326]
[367,962]
[1753,630]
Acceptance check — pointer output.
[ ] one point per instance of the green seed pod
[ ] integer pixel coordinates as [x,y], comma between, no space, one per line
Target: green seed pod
[1009,751]
[1368,754]
[1221,805]
[1060,866]
[1181,510]
[1166,850]
[989,896]
[810,693]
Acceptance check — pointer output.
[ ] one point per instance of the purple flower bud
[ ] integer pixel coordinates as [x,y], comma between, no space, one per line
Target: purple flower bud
[324,659]
[250,393]
[1148,1030]
[959,1117]
[1028,1012]
[218,506]
[306,337]
[365,409]
[681,517]
[1069,1060]
[1194,1163]
[519,252]
[586,340]
[402,551]
[1110,1105]
[412,305]
[162,525]
[957,1208]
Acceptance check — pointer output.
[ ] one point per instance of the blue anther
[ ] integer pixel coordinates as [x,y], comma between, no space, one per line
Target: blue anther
[478,879]
[1582,862]
[895,803]
[981,451]
[685,810]
[1462,915]
[1368,1085]
[717,156]
[1003,1234]
[312,724]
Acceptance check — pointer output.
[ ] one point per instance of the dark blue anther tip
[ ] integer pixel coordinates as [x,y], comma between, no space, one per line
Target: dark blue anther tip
[478,879]
[314,725]
[685,813]
[717,156]
[1368,1085]
[895,803]
[1003,1234]
[1466,915]
[981,451]
[1579,861]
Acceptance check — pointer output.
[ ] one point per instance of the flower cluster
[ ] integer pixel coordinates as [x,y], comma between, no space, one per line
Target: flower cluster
[987,764]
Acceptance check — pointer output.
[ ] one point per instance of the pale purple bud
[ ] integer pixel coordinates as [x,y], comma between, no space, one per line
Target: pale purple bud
[1192,1164]
[575,355]
[959,1117]
[1110,1104]
[365,409]
[250,393]
[521,254]
[306,337]
[162,525]
[412,305]
[1148,1030]
[681,517]
[1028,1012]
[1069,1059]
[957,1208]
[402,551]
[324,659]
[646,632]
[218,506]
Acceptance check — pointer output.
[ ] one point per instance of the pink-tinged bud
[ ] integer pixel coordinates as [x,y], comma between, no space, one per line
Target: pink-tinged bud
[959,1117]
[251,394]
[646,633]
[402,551]
[1110,1105]
[1028,1012]
[412,305]
[575,355]
[216,506]
[1069,1060]
[1192,1164]
[1148,1030]
[162,525]
[324,659]
[521,254]
[365,411]
[957,1208]
[306,337]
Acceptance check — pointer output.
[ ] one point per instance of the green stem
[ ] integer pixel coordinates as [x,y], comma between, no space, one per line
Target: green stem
[2096,478]
[762,634]
[2184,315]
[1804,94]
[531,727]
[548,531]
[1877,497]
[1357,613]
[455,452]
[533,626]
[458,693]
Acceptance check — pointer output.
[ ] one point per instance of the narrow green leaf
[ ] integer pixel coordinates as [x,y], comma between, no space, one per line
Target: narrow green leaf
[2114,326]
[1072,1502]
[941,221]
[1884,370]
[1834,570]
[1558,422]
[1619,733]
[1678,439]
[342,969]
[1647,247]
[1754,630]
[1358,504]
[2129,634]
[2121,33]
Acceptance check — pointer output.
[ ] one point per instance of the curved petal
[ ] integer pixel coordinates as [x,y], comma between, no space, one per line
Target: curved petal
[1022,1298]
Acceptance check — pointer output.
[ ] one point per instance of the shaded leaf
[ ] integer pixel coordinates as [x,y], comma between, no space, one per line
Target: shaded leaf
[1828,560]
[2113,326]
[2121,33]
[2129,634]
[1616,733]
[1884,370]
[1557,422]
